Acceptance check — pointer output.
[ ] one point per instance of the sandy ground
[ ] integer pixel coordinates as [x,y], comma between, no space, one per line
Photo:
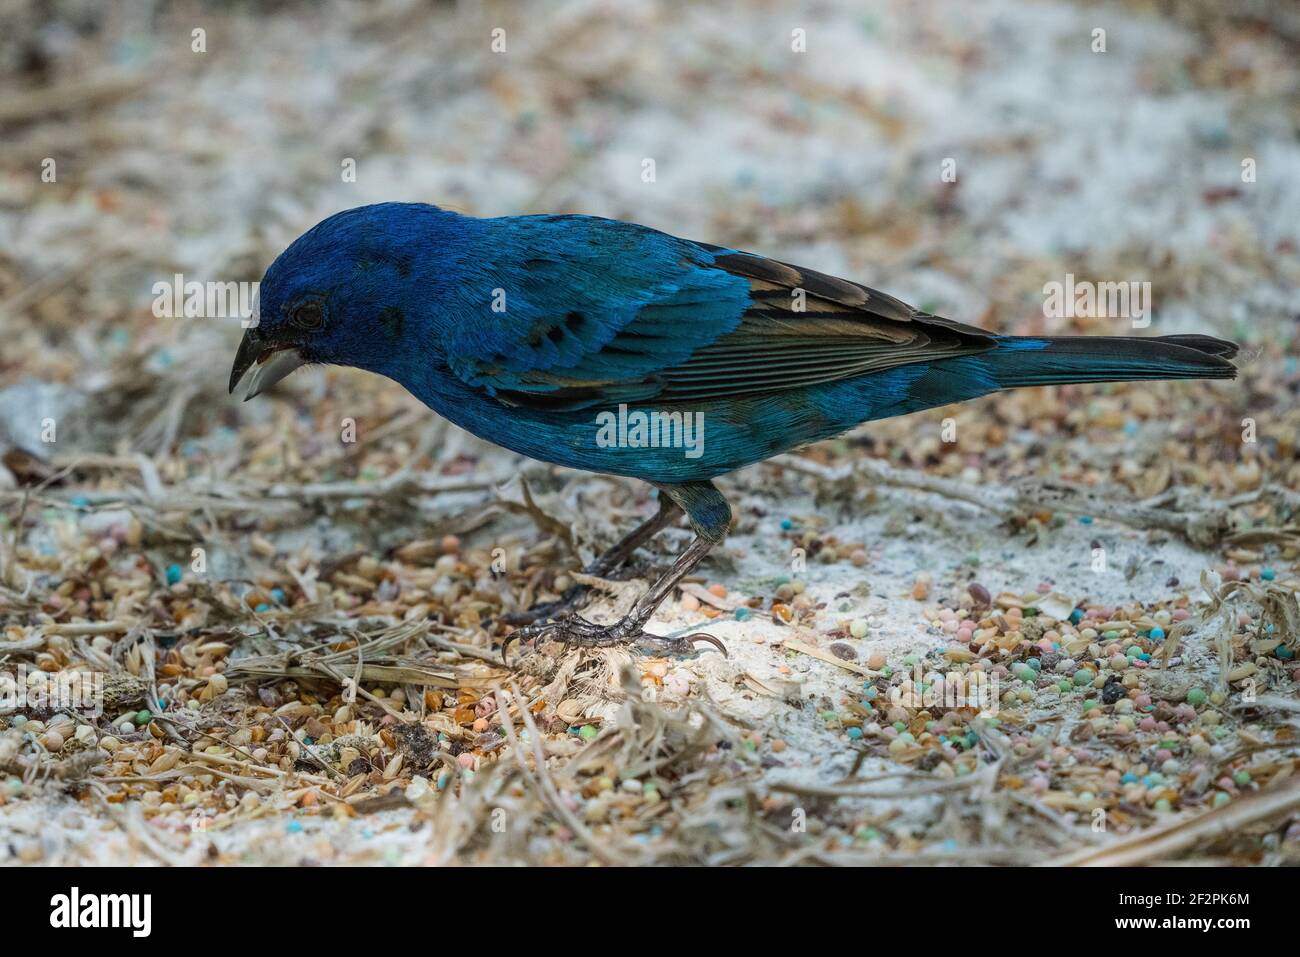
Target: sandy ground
[1119,165]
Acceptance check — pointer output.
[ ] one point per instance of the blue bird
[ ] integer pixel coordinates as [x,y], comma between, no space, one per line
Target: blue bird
[616,348]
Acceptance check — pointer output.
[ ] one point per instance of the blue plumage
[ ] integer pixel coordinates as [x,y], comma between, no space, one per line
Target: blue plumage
[556,336]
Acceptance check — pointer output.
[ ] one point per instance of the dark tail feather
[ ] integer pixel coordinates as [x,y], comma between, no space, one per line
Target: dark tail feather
[1206,344]
[1026,361]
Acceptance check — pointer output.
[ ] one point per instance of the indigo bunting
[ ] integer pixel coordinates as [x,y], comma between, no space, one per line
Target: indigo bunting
[612,347]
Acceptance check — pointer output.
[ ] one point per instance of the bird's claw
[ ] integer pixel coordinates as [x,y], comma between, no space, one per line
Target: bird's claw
[578,632]
[551,609]
[684,644]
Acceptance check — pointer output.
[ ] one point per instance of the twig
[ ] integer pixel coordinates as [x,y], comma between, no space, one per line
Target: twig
[82,93]
[1160,843]
[1203,525]
[542,780]
[311,752]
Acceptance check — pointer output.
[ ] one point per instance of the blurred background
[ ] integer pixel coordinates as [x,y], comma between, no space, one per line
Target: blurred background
[960,155]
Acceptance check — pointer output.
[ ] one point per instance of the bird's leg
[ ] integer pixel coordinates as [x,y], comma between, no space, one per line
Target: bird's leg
[602,565]
[710,515]
[629,543]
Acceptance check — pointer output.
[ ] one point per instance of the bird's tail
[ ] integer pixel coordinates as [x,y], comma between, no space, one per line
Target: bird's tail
[1058,360]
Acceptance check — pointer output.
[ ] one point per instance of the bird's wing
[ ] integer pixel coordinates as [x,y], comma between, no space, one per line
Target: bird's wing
[633,315]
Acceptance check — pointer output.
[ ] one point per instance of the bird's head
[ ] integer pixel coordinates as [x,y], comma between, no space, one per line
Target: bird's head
[349,292]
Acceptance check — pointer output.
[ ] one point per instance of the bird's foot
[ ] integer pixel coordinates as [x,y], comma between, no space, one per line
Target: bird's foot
[574,631]
[571,601]
[563,605]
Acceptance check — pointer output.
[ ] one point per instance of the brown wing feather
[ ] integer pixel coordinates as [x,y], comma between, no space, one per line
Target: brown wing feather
[844,329]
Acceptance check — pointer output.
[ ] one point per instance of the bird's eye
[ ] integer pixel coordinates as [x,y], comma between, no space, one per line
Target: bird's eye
[309,315]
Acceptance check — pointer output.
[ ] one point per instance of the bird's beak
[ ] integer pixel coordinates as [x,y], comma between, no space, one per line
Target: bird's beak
[270,363]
